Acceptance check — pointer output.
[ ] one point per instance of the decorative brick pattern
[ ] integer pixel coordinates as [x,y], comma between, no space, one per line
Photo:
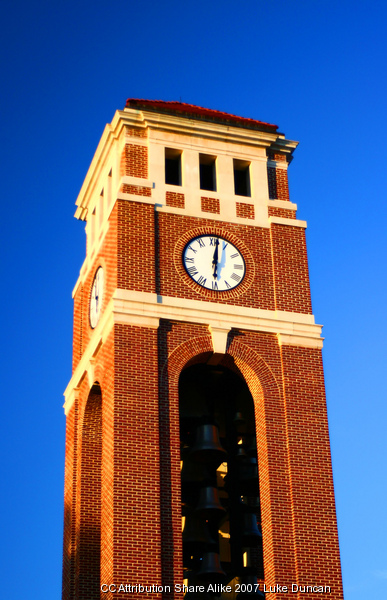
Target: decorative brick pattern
[278,184]
[281,212]
[210,205]
[137,190]
[245,211]
[174,199]
[134,161]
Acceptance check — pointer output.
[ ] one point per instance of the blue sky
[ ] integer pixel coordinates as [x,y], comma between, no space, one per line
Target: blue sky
[318,70]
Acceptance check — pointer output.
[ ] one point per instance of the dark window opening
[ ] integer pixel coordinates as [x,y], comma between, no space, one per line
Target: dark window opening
[172,166]
[207,172]
[242,178]
[222,540]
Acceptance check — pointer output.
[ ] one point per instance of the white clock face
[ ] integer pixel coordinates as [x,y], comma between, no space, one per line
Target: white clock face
[214,263]
[96,298]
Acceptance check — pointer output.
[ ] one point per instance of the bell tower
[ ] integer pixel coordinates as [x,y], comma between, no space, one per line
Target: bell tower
[197,451]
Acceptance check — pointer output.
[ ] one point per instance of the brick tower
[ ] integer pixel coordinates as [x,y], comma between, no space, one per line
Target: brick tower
[197,451]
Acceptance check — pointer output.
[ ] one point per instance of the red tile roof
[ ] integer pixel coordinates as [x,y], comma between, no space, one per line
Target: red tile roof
[207,114]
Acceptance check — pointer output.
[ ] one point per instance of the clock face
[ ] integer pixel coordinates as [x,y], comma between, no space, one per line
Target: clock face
[96,298]
[214,263]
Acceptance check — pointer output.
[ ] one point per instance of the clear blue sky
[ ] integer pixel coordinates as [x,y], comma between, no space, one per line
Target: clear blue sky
[318,70]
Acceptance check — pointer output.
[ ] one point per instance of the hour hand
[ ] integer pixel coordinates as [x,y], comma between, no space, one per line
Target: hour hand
[215,259]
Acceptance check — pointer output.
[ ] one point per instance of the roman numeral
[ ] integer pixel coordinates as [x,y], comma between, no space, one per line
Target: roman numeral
[236,277]
[214,285]
[238,267]
[227,284]
[193,249]
[190,260]
[224,245]
[201,243]
[202,280]
[234,255]
[192,271]
[212,241]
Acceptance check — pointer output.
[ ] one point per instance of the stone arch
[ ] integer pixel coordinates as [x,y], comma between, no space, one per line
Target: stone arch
[89,506]
[273,457]
[170,366]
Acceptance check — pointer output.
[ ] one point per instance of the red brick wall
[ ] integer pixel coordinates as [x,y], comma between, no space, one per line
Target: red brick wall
[107,258]
[70,496]
[278,183]
[134,434]
[290,266]
[174,199]
[244,210]
[135,246]
[210,205]
[136,132]
[78,325]
[134,161]
[313,503]
[273,211]
[89,529]
[137,190]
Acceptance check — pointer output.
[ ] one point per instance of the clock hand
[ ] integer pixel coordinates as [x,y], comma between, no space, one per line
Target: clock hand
[215,259]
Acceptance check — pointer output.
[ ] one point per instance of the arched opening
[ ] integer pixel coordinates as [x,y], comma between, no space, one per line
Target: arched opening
[222,541]
[89,562]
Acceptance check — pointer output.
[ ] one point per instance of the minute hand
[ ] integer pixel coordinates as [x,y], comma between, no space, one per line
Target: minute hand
[215,259]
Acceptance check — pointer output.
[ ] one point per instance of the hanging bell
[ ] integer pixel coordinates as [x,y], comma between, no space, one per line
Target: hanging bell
[207,448]
[195,534]
[251,536]
[239,422]
[240,453]
[210,569]
[251,590]
[209,506]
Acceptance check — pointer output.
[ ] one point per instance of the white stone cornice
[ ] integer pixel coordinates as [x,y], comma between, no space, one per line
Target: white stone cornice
[284,221]
[143,309]
[229,132]
[282,204]
[278,164]
[218,316]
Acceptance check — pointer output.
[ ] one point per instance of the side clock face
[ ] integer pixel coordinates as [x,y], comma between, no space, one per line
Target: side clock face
[96,298]
[214,263]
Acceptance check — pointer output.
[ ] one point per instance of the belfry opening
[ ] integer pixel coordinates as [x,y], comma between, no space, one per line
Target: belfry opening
[221,517]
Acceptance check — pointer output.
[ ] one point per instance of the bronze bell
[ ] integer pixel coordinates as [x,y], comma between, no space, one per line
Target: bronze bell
[207,448]
[210,569]
[239,422]
[251,536]
[250,587]
[195,533]
[240,452]
[209,506]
